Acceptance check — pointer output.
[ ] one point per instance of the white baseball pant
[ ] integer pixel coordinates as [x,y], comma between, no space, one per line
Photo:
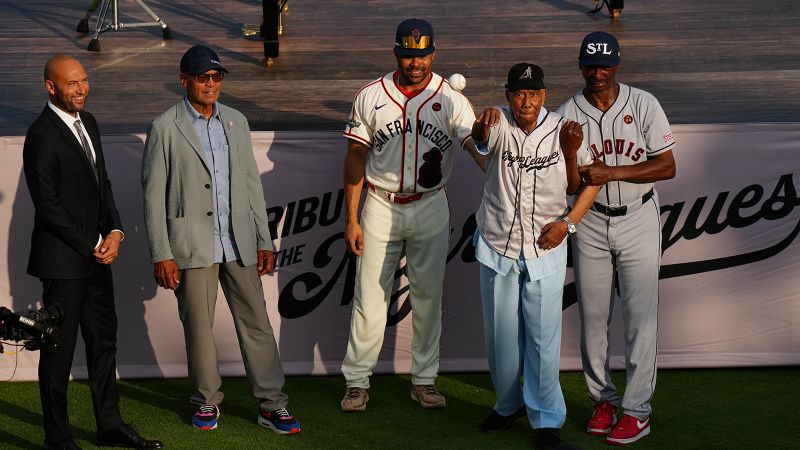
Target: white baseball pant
[423,228]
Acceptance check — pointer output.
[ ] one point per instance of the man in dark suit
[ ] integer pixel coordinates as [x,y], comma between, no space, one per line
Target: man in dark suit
[76,237]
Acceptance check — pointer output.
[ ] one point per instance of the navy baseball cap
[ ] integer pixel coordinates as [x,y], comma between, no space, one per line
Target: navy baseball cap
[599,49]
[525,76]
[414,38]
[199,60]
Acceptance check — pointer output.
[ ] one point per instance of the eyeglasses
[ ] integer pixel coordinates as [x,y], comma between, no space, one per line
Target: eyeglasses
[204,77]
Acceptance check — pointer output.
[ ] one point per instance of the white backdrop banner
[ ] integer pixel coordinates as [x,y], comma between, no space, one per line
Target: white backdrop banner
[729,282]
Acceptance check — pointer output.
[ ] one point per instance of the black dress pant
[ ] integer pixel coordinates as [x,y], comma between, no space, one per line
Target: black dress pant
[269,28]
[88,304]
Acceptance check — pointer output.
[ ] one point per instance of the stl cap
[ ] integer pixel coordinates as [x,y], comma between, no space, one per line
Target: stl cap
[599,49]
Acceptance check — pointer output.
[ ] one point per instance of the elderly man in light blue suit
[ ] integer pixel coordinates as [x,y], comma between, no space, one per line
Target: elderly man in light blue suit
[206,223]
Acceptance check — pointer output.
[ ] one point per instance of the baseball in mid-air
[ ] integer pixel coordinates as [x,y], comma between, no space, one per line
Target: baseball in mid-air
[457,81]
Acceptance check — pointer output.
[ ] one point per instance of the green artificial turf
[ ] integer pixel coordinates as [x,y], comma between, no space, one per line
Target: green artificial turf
[721,408]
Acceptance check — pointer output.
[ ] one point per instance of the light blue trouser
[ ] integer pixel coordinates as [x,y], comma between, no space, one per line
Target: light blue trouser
[522,323]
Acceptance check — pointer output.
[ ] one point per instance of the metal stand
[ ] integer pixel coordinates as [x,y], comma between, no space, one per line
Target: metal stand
[103,25]
[83,25]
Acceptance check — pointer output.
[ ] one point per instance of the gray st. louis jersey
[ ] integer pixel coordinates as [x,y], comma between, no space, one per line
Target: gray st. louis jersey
[634,129]
[525,187]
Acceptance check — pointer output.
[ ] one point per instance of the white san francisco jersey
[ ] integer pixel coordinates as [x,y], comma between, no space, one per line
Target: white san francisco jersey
[632,130]
[526,185]
[412,139]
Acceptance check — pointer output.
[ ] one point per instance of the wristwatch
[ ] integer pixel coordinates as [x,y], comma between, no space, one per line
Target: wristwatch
[570,226]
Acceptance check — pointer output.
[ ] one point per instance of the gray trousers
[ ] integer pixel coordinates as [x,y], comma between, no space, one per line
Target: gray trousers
[629,245]
[197,299]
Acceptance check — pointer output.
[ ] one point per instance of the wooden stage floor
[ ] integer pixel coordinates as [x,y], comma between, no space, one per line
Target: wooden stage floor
[707,62]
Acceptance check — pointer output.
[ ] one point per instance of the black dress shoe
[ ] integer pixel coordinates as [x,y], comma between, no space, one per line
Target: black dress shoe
[548,439]
[127,437]
[496,422]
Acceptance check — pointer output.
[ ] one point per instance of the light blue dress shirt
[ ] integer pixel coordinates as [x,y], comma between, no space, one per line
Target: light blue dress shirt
[211,134]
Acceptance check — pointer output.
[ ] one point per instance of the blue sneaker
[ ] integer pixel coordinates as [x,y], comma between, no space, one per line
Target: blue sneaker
[206,417]
[279,421]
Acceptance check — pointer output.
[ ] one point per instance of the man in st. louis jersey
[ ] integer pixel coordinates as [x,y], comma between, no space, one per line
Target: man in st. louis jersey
[627,148]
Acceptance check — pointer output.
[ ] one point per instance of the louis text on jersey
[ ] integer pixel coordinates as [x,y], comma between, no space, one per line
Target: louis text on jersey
[620,147]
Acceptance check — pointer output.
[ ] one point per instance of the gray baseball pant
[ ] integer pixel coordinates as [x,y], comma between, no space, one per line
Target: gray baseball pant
[631,246]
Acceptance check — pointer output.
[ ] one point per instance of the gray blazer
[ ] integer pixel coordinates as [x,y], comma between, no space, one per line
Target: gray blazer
[178,200]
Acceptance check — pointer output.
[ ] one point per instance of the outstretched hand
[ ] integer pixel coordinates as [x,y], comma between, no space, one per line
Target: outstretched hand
[480,129]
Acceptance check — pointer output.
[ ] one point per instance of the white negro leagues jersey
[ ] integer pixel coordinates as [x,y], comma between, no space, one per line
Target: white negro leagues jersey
[412,140]
[526,185]
[632,130]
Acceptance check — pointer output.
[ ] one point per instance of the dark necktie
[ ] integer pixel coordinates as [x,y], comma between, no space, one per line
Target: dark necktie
[86,149]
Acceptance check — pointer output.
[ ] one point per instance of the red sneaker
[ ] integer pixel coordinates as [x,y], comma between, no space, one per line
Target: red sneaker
[629,430]
[603,419]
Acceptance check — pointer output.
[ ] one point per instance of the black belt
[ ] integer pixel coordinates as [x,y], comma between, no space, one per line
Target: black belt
[615,211]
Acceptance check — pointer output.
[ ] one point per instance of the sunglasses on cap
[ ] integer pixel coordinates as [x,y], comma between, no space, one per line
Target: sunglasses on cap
[411,42]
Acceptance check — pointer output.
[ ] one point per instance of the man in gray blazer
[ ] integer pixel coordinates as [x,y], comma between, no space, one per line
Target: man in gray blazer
[206,222]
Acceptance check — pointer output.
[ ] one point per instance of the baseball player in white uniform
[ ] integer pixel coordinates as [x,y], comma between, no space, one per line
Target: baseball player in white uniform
[521,247]
[627,147]
[403,132]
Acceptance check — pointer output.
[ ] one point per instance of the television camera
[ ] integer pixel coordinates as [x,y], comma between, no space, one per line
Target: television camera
[35,329]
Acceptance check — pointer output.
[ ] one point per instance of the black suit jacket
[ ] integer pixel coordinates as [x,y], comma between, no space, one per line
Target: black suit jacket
[72,208]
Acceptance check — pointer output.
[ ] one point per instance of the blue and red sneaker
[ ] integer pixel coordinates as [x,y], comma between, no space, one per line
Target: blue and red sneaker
[279,421]
[206,417]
